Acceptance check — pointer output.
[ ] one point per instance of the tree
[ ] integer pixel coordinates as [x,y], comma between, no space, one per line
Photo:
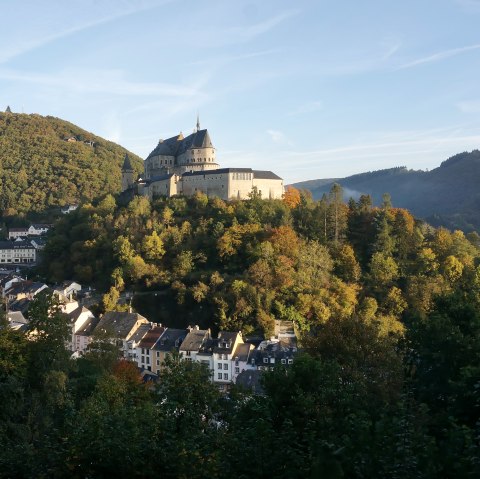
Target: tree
[291,197]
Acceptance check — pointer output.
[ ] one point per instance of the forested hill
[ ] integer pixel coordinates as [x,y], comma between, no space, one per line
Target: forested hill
[40,169]
[447,196]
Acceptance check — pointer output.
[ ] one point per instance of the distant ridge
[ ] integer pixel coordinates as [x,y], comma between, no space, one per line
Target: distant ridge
[448,195]
[46,163]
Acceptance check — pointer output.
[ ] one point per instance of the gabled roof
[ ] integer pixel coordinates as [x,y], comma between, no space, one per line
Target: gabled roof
[265,175]
[152,336]
[120,324]
[242,351]
[176,145]
[194,340]
[170,339]
[224,343]
[88,327]
[75,314]
[140,332]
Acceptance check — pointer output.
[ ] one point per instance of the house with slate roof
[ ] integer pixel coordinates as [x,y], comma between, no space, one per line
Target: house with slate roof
[194,344]
[186,165]
[223,352]
[144,354]
[168,342]
[121,326]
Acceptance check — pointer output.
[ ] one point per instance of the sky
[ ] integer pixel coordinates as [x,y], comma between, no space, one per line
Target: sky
[307,88]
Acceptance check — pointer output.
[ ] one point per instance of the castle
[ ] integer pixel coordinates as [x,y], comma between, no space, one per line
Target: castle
[186,165]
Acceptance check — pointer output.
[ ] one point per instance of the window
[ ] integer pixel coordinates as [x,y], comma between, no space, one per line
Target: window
[158,354]
[265,360]
[143,359]
[225,376]
[188,353]
[148,359]
[237,370]
[284,361]
[219,375]
[290,361]
[225,366]
[158,362]
[219,365]
[225,356]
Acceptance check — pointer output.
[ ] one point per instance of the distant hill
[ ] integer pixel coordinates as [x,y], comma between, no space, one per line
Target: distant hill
[448,195]
[46,162]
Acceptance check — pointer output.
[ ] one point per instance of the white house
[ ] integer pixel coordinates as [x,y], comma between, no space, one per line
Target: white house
[17,252]
[223,353]
[78,318]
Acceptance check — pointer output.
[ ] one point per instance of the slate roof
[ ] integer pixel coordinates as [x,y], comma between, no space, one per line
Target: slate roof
[251,380]
[224,343]
[194,340]
[20,305]
[119,323]
[265,175]
[152,336]
[218,171]
[242,351]
[17,317]
[206,349]
[159,178]
[141,331]
[15,245]
[88,327]
[170,339]
[75,314]
[27,287]
[176,145]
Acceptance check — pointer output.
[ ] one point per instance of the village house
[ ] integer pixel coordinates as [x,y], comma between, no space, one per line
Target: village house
[78,318]
[17,252]
[193,344]
[145,355]
[7,281]
[169,341]
[84,335]
[120,327]
[223,353]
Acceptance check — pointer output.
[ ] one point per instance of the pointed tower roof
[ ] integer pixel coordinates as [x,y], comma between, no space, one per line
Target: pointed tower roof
[126,163]
[8,110]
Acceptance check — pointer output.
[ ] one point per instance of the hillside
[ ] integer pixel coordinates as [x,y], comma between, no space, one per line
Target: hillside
[40,169]
[447,195]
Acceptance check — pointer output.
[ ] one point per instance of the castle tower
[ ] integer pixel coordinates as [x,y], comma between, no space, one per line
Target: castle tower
[127,174]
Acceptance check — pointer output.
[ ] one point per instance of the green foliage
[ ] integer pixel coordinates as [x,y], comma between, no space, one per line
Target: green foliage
[40,170]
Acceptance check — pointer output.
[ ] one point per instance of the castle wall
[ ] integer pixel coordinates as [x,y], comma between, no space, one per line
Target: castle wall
[269,188]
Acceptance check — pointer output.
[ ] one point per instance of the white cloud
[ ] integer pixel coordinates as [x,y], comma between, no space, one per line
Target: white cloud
[100,81]
[32,39]
[439,56]
[278,137]
[469,106]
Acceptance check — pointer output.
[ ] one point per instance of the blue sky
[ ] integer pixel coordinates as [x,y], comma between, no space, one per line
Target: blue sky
[306,88]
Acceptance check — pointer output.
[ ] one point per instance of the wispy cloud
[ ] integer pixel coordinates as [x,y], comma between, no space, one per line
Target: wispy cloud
[30,42]
[100,81]
[469,106]
[439,56]
[278,137]
[249,32]
[309,107]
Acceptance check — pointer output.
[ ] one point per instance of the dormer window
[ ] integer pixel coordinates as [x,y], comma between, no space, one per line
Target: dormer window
[265,360]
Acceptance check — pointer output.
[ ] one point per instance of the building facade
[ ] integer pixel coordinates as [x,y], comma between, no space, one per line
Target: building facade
[187,165]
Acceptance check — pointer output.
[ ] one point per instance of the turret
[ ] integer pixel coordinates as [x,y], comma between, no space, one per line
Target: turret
[127,174]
